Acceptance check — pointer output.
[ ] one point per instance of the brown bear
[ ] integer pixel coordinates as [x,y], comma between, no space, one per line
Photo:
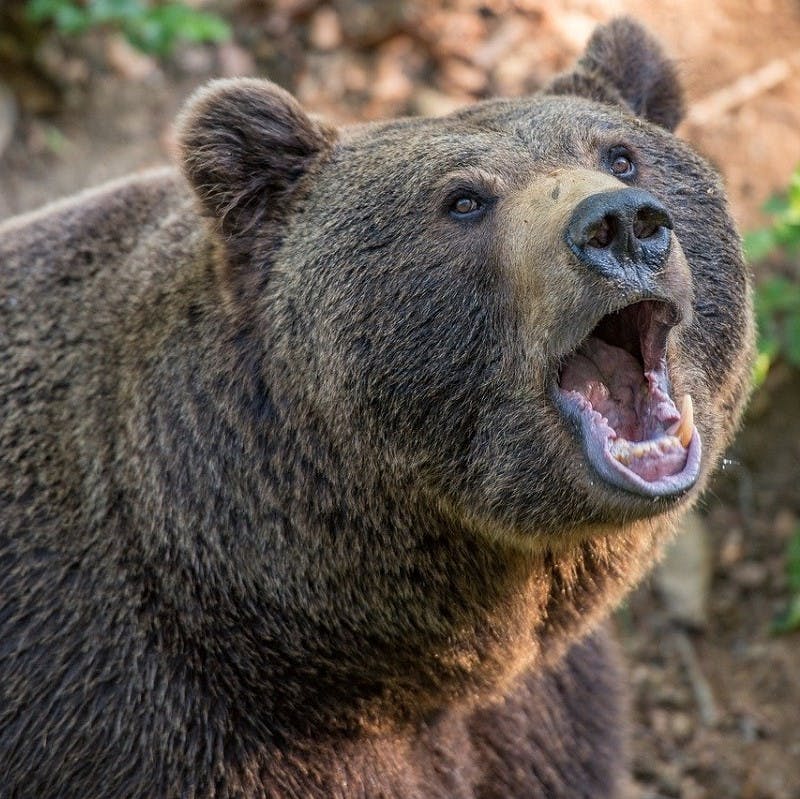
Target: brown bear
[323,462]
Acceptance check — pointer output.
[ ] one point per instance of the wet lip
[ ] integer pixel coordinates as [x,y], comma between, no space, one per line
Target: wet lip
[615,389]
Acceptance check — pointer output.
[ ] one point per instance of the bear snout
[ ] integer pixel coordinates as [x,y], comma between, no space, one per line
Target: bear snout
[622,234]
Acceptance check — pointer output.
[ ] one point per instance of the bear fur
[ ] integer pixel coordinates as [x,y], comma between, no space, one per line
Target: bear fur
[287,508]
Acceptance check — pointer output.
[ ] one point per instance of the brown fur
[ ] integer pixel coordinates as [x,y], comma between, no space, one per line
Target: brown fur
[286,509]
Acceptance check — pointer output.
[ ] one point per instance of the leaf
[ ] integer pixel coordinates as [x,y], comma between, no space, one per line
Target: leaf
[758,244]
[67,16]
[72,20]
[793,562]
[777,294]
[152,28]
[761,368]
[41,10]
[114,12]
[776,204]
[792,331]
[160,28]
[789,620]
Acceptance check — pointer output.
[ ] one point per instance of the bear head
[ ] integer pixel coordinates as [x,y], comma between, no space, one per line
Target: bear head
[534,312]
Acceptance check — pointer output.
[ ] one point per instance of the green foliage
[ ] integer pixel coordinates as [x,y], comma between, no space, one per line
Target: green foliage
[153,27]
[777,306]
[784,232]
[789,620]
[777,299]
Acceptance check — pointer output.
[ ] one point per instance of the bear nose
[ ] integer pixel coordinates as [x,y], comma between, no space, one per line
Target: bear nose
[619,232]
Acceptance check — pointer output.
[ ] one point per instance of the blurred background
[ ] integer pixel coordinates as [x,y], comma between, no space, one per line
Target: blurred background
[88,89]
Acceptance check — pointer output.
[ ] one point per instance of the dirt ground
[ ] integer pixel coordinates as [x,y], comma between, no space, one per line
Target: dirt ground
[716,710]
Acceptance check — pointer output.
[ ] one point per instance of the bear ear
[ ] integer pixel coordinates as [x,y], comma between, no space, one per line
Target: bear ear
[624,64]
[244,146]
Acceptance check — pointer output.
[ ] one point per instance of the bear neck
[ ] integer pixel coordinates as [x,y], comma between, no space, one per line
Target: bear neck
[383,641]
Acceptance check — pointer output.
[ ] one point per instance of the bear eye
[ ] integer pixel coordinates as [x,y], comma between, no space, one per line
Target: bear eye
[465,205]
[621,164]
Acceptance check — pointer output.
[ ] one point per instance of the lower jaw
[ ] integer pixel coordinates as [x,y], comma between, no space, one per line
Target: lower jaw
[611,471]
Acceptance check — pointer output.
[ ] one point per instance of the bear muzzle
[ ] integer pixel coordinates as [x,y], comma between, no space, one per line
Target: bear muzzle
[600,268]
[622,234]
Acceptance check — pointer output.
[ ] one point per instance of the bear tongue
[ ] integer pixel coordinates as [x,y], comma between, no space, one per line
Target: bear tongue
[612,380]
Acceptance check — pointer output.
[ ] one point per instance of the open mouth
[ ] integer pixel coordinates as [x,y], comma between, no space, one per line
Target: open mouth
[615,385]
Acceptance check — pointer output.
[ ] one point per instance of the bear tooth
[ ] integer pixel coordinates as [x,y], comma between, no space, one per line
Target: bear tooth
[684,427]
[621,450]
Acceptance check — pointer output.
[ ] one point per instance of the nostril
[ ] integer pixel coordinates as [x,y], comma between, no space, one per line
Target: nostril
[648,222]
[644,228]
[603,232]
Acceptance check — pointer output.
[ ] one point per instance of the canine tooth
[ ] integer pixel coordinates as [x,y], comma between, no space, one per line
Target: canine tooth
[684,427]
[687,420]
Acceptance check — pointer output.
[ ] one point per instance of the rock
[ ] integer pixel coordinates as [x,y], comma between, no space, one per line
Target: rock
[234,61]
[127,61]
[691,789]
[684,576]
[732,549]
[510,34]
[785,524]
[8,117]
[396,66]
[681,726]
[458,76]
[368,23]
[456,34]
[325,31]
[750,575]
[433,103]
[574,27]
